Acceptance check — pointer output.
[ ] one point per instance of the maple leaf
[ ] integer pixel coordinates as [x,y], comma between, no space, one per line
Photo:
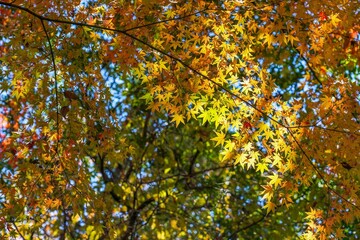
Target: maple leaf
[340,233]
[206,116]
[277,159]
[268,134]
[275,180]
[94,36]
[247,125]
[302,48]
[269,39]
[177,118]
[270,207]
[312,214]
[262,167]
[334,19]
[162,65]
[323,16]
[219,139]
[49,189]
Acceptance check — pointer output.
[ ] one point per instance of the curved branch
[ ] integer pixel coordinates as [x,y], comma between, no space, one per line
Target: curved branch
[247,226]
[310,67]
[319,173]
[166,20]
[324,128]
[133,217]
[107,180]
[56,86]
[18,231]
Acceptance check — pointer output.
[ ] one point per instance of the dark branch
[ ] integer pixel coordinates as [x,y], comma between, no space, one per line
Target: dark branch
[56,86]
[192,162]
[17,230]
[233,235]
[319,173]
[133,217]
[324,128]
[185,176]
[166,20]
[310,67]
[106,178]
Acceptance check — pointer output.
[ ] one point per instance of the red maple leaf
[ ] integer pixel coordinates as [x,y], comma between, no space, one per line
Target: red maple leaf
[323,16]
[247,125]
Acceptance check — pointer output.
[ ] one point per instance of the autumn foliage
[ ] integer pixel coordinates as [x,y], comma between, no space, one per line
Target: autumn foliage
[177,119]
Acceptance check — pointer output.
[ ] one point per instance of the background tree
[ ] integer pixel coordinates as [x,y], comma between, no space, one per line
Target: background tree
[179,119]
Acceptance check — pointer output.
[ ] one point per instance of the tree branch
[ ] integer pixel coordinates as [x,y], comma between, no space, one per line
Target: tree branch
[133,217]
[309,66]
[186,175]
[192,162]
[56,86]
[233,235]
[17,230]
[318,171]
[107,180]
[166,20]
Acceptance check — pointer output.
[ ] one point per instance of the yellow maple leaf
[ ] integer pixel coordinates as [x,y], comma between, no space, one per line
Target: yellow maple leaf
[56,203]
[162,65]
[262,167]
[177,118]
[205,116]
[49,189]
[270,207]
[269,39]
[275,180]
[242,159]
[277,159]
[268,134]
[220,138]
[334,19]
[311,214]
[94,36]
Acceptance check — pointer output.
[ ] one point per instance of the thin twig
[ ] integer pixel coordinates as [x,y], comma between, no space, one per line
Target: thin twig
[310,67]
[323,128]
[247,226]
[166,20]
[185,175]
[56,87]
[17,229]
[318,171]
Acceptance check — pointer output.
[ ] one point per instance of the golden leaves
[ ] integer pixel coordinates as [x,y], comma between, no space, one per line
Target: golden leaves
[270,207]
[177,118]
[52,203]
[219,139]
[262,167]
[334,19]
[21,85]
[209,67]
